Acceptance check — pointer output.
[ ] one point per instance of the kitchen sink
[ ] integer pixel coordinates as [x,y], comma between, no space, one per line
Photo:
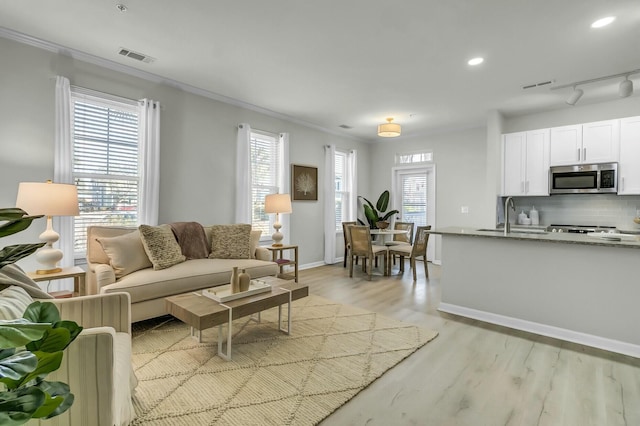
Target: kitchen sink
[515,231]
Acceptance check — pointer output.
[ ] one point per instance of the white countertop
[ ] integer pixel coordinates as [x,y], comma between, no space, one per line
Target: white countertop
[607,240]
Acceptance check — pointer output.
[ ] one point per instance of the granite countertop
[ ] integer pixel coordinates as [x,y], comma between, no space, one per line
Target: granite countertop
[608,240]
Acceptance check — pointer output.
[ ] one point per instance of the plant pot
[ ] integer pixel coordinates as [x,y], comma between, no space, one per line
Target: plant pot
[382,225]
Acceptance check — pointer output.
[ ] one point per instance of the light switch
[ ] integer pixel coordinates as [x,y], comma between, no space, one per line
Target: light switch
[464,209]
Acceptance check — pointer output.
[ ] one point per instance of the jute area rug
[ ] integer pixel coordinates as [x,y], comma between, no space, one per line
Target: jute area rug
[333,353]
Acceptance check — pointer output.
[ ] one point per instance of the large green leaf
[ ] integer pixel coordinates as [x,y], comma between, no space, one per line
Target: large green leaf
[389,214]
[59,399]
[54,340]
[72,326]
[20,332]
[17,406]
[42,312]
[383,201]
[11,254]
[15,220]
[17,366]
[47,362]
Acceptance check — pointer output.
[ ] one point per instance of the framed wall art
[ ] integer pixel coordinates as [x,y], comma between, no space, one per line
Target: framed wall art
[304,183]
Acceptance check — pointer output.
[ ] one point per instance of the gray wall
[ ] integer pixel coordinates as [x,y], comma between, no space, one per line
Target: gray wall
[197,153]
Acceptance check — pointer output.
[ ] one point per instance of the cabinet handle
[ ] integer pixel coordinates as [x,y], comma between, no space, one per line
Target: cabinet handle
[578,154]
[622,189]
[584,154]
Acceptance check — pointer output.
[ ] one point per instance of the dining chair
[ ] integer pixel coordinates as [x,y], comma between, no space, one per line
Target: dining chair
[406,238]
[347,238]
[414,251]
[361,247]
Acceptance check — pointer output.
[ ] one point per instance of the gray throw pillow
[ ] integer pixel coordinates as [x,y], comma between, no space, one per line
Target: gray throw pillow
[230,241]
[161,246]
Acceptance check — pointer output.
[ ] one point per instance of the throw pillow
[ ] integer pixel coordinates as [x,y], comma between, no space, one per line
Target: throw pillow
[230,241]
[161,246]
[126,253]
[13,302]
[254,240]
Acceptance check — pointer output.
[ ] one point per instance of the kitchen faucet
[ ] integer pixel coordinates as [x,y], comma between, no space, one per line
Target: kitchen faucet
[508,203]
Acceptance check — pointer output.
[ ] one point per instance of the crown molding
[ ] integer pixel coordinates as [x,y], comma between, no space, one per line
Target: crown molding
[154,78]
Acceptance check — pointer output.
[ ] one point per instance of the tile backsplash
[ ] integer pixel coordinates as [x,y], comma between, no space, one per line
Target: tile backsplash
[582,209]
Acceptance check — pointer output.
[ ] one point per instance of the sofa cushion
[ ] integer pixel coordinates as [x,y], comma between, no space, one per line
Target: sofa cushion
[95,253]
[230,241]
[14,301]
[254,240]
[161,246]
[126,253]
[195,274]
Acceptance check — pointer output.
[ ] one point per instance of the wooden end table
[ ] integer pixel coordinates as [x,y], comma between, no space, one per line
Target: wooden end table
[278,253]
[75,272]
[201,312]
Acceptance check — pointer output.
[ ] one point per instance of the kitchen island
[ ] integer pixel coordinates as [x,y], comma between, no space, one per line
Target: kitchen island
[575,287]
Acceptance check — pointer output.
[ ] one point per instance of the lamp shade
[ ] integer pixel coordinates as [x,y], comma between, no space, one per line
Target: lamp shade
[389,129]
[47,198]
[277,203]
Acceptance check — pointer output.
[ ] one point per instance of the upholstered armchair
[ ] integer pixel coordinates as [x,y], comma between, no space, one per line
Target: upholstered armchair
[97,365]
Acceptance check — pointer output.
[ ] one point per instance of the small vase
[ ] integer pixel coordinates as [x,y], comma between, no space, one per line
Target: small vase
[235,280]
[244,280]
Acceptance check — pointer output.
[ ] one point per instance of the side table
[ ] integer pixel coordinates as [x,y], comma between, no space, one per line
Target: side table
[75,272]
[278,251]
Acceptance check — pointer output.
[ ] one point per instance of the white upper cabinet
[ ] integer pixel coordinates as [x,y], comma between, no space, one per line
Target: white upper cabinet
[629,165]
[526,163]
[585,143]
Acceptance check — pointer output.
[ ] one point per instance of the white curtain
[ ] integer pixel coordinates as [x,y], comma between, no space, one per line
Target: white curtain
[149,156]
[283,184]
[62,173]
[243,174]
[329,205]
[352,185]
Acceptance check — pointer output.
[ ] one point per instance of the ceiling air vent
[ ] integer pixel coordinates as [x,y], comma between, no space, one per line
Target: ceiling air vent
[135,55]
[345,126]
[534,85]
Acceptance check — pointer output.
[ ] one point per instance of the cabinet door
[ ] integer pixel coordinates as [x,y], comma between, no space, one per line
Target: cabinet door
[629,166]
[566,145]
[537,163]
[513,165]
[600,141]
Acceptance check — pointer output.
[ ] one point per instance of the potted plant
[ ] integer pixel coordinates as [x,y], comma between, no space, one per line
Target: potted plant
[31,347]
[374,214]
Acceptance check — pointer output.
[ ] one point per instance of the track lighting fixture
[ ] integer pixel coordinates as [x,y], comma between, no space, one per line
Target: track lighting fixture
[626,88]
[575,96]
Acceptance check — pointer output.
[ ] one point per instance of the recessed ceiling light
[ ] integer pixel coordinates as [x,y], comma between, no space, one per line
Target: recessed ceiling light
[475,61]
[603,22]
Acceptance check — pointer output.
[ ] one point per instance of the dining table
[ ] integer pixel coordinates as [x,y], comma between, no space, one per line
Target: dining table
[386,234]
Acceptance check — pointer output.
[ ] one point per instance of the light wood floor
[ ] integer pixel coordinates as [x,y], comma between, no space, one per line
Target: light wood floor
[475,373]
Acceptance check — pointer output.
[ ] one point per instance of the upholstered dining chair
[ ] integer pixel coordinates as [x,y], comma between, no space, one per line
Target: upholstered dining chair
[401,238]
[361,247]
[414,251]
[347,238]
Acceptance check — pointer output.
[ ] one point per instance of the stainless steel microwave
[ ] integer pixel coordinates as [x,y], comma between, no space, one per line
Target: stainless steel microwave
[584,179]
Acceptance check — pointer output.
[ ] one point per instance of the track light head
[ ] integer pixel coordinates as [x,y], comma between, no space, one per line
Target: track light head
[626,88]
[575,96]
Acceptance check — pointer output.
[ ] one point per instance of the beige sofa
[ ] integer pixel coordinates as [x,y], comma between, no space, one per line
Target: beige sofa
[148,287]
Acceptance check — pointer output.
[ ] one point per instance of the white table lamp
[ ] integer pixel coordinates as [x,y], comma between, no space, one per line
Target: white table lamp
[49,199]
[277,203]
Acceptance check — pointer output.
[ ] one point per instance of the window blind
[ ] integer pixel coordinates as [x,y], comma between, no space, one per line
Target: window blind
[265,169]
[105,164]
[341,188]
[414,198]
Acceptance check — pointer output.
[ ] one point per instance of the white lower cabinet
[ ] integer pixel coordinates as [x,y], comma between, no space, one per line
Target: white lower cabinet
[629,164]
[525,168]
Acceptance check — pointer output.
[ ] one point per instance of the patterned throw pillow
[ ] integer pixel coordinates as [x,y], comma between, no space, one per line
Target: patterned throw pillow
[13,302]
[161,246]
[230,241]
[126,253]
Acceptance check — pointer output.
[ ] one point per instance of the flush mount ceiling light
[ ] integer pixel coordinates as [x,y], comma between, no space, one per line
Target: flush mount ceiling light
[625,88]
[603,22]
[121,7]
[475,61]
[575,96]
[389,129]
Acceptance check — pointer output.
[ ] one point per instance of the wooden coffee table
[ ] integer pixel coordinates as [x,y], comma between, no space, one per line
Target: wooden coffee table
[201,312]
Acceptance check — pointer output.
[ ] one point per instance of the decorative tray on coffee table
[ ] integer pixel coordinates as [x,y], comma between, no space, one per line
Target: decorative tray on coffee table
[223,293]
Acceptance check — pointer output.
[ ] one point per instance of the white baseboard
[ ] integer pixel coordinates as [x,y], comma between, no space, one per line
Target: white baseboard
[544,330]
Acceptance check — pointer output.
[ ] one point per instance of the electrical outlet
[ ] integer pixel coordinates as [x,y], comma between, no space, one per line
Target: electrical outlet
[464,209]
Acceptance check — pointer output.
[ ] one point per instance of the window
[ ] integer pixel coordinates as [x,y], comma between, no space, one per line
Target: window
[414,157]
[343,173]
[267,172]
[105,163]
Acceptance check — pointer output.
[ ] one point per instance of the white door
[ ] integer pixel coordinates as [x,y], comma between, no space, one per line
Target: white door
[601,141]
[566,145]
[537,163]
[414,198]
[513,171]
[629,181]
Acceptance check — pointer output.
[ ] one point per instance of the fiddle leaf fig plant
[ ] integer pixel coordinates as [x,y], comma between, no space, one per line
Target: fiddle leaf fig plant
[31,347]
[374,214]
